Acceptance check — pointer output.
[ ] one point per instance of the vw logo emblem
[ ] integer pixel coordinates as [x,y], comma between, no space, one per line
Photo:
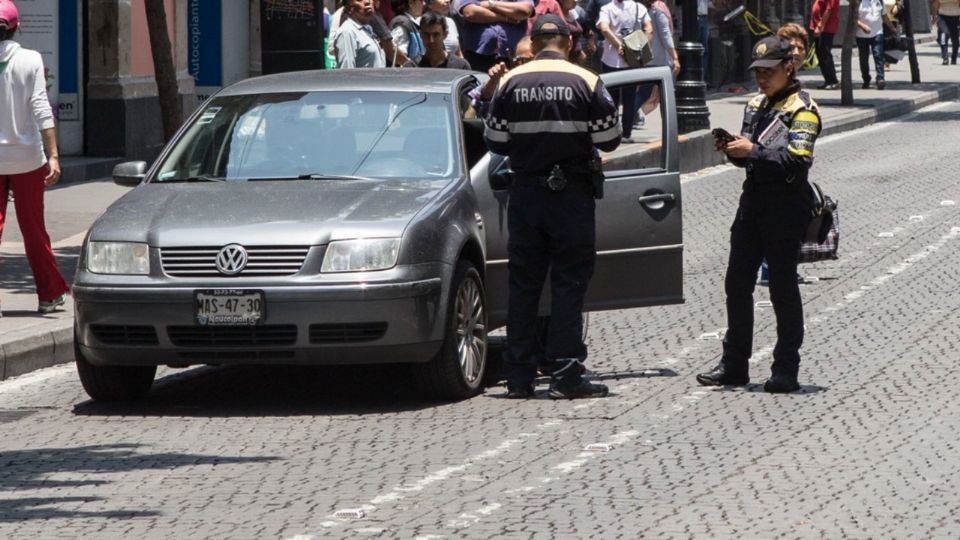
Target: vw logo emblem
[232,260]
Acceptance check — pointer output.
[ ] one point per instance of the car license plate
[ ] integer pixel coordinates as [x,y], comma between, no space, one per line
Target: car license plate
[229,307]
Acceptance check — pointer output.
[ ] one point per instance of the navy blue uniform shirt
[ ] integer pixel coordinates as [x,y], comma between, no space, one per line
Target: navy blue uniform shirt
[550,111]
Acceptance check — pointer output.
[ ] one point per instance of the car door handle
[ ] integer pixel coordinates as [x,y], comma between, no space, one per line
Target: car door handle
[653,200]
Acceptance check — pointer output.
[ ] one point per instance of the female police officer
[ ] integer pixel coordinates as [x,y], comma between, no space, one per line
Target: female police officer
[780,127]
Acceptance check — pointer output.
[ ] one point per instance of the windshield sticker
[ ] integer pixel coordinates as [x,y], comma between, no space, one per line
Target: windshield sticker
[208,115]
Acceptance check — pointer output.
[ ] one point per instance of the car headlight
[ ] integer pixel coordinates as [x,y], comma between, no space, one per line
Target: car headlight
[118,258]
[361,255]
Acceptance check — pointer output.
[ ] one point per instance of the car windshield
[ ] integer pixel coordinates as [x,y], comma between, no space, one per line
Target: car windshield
[317,136]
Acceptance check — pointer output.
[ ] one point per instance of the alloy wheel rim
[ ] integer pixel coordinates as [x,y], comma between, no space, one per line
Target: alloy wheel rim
[471,331]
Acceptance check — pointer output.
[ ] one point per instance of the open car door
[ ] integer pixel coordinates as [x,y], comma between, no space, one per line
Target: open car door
[639,220]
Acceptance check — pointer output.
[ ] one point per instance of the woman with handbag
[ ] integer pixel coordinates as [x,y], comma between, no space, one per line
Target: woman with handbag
[780,127]
[618,19]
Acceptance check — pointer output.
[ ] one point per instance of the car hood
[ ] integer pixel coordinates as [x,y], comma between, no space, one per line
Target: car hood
[310,212]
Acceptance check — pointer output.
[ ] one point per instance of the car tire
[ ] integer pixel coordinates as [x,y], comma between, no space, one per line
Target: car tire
[457,371]
[113,383]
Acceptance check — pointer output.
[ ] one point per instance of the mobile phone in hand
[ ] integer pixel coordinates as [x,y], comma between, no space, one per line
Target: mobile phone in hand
[723,135]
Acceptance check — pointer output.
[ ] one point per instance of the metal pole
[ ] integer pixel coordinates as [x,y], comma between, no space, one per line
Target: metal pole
[770,14]
[792,15]
[691,90]
[911,46]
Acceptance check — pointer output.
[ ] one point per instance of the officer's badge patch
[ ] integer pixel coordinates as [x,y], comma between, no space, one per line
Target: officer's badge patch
[760,50]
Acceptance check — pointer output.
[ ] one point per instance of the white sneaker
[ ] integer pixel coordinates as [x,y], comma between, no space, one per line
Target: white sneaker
[53,305]
[640,120]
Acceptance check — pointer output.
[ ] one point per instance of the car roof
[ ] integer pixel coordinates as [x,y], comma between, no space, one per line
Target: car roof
[430,80]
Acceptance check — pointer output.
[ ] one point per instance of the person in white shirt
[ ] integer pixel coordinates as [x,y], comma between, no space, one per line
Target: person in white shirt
[405,28]
[618,19]
[870,40]
[29,158]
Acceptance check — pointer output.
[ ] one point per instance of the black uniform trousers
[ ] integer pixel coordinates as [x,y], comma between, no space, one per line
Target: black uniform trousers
[555,232]
[769,224]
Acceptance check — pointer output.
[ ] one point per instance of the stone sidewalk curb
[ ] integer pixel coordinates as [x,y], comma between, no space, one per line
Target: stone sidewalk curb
[28,349]
[697,152]
[82,169]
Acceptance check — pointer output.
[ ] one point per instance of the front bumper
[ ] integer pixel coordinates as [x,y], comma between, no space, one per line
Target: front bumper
[358,323]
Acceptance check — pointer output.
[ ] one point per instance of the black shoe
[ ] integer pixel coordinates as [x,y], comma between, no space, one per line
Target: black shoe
[719,376]
[881,84]
[781,384]
[583,389]
[866,84]
[945,61]
[521,392]
[828,86]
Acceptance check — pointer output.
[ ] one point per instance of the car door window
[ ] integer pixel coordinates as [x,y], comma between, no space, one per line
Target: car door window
[647,150]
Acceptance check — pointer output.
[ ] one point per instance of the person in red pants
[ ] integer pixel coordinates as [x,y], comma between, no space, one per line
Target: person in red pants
[29,159]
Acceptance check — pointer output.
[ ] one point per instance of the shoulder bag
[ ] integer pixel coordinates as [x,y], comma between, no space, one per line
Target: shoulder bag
[636,46]
[822,239]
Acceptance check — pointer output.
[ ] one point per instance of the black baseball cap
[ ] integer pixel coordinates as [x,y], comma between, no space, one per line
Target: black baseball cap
[770,51]
[549,25]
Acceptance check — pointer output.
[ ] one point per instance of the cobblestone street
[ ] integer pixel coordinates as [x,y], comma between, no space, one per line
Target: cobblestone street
[867,449]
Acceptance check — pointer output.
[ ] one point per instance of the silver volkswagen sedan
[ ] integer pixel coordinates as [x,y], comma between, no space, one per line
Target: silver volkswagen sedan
[342,217]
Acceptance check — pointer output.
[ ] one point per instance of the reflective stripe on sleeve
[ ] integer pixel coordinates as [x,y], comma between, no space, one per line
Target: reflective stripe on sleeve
[548,126]
[496,135]
[606,135]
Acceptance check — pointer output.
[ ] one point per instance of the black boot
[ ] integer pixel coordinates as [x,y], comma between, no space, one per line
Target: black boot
[583,389]
[721,376]
[521,392]
[781,384]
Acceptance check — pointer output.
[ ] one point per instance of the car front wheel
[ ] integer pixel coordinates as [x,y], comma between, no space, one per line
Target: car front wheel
[113,383]
[457,370]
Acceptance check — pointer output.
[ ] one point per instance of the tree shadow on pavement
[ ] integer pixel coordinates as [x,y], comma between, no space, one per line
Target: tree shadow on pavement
[275,391]
[16,276]
[80,467]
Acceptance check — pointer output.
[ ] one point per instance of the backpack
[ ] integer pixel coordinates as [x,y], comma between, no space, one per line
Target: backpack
[415,48]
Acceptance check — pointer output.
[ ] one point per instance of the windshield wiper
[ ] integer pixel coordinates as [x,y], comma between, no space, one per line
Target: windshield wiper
[311,177]
[199,178]
[316,176]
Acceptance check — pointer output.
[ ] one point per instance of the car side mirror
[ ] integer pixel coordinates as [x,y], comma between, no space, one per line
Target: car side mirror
[129,173]
[502,179]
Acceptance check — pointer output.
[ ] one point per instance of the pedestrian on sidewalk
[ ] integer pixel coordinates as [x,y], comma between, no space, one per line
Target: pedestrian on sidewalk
[405,29]
[664,53]
[870,40]
[780,127]
[433,31]
[799,42]
[29,157]
[618,19]
[824,21]
[946,16]
[551,212]
[355,45]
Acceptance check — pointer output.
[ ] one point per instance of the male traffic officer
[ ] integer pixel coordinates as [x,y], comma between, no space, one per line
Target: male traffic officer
[549,116]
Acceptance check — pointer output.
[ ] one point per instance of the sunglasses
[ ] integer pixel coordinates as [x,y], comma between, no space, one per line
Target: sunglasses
[521,60]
